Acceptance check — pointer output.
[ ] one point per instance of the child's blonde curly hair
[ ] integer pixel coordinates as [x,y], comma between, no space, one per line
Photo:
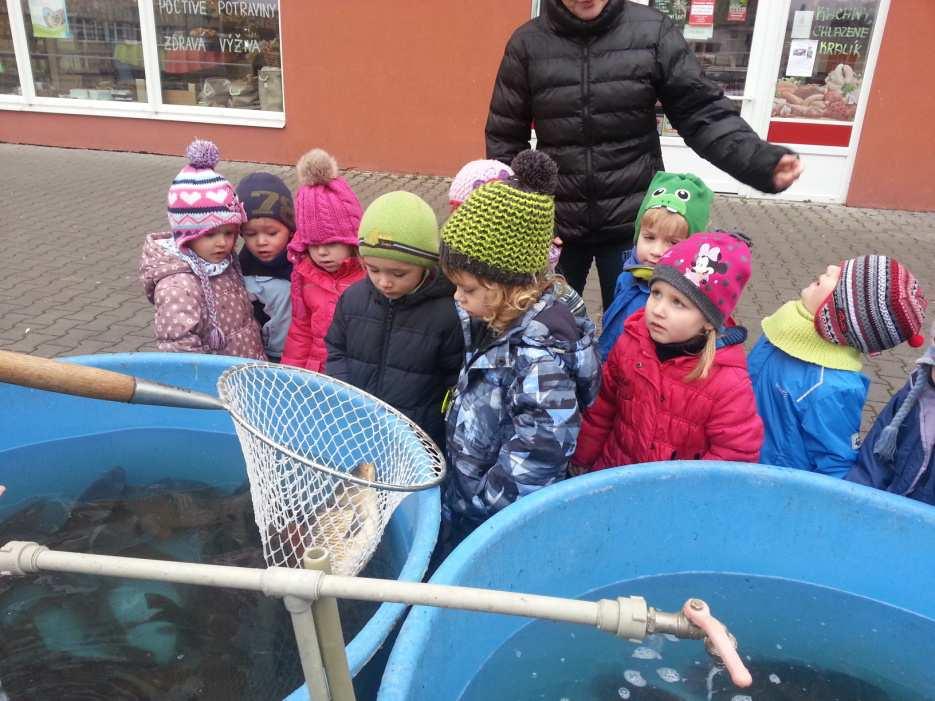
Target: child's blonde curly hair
[508,302]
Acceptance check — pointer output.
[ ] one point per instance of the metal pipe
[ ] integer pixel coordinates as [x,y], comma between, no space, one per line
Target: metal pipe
[306,639]
[330,635]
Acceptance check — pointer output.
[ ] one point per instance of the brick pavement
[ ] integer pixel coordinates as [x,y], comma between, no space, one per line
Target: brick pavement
[74,223]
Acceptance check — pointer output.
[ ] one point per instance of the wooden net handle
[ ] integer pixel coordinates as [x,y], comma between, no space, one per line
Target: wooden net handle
[65,378]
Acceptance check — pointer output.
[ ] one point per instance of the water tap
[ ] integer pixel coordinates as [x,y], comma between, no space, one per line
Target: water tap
[695,622]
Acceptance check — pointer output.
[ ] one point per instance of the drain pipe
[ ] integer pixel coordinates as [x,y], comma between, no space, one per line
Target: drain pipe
[625,617]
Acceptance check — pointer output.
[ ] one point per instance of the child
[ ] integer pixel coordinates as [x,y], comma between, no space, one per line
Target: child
[671,390]
[898,455]
[396,334]
[191,274]
[323,254]
[676,206]
[266,268]
[530,364]
[806,366]
[476,173]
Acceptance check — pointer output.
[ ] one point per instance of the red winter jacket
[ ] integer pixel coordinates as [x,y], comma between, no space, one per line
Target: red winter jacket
[315,294]
[647,412]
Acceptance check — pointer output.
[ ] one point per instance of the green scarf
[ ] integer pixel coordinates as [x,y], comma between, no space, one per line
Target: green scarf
[792,330]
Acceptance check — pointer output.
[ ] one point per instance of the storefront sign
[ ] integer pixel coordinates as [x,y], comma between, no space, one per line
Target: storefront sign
[49,19]
[843,32]
[737,11]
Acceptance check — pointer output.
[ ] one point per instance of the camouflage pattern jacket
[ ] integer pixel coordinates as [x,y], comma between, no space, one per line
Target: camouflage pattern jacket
[514,417]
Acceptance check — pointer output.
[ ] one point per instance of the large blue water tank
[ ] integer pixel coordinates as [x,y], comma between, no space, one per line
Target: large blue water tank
[34,422]
[624,524]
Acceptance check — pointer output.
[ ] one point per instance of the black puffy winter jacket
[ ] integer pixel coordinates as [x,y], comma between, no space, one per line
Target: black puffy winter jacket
[407,352]
[591,90]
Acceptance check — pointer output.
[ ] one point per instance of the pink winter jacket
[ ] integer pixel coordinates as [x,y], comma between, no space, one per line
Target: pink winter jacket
[181,324]
[315,294]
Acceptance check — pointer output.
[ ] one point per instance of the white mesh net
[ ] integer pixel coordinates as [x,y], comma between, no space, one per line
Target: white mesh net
[303,435]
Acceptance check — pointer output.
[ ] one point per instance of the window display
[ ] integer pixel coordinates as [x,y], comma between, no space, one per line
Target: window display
[720,32]
[823,59]
[86,49]
[220,53]
[9,78]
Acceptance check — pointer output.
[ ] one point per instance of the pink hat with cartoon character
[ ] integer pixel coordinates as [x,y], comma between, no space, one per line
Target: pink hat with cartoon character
[711,269]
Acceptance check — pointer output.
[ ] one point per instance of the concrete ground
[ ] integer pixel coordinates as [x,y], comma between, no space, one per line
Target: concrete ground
[74,223]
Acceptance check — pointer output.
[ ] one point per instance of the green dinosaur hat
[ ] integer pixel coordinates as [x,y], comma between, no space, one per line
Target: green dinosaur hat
[400,226]
[681,193]
[503,230]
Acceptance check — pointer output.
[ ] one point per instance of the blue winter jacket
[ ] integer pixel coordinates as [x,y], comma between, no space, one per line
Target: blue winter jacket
[630,295]
[811,413]
[910,471]
[516,410]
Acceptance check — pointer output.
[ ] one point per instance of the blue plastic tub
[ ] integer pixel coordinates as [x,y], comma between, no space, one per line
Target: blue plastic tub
[732,534]
[35,423]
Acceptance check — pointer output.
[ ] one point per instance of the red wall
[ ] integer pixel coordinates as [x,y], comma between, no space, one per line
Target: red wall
[895,165]
[400,86]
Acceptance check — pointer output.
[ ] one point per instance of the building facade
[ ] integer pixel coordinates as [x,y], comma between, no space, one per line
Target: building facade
[404,85]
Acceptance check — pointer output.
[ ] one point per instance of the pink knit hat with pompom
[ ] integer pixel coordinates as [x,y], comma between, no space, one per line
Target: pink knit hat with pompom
[326,209]
[200,199]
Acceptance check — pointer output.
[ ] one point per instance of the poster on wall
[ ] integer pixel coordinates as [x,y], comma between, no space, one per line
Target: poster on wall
[677,10]
[700,25]
[49,19]
[737,11]
[825,56]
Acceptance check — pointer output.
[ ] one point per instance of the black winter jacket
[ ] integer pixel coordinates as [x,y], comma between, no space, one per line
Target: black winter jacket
[407,352]
[591,90]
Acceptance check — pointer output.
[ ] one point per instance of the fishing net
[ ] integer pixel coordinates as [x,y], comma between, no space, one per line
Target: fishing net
[328,464]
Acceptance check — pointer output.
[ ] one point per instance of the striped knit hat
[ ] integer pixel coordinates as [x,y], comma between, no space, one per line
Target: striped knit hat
[200,200]
[877,304]
[503,230]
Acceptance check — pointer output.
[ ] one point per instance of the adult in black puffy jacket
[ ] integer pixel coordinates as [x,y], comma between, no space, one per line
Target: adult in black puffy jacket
[406,351]
[588,73]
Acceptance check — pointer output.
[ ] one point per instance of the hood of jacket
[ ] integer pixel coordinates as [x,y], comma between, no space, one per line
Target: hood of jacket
[157,263]
[548,325]
[565,23]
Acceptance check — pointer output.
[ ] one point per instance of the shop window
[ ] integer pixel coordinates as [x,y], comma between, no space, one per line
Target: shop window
[9,78]
[85,49]
[219,53]
[720,32]
[823,60]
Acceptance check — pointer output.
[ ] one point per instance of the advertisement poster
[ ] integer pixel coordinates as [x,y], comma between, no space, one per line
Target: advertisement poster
[49,19]
[701,13]
[802,55]
[737,11]
[677,10]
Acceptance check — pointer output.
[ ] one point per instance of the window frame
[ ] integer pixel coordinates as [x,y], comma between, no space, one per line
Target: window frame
[154,108]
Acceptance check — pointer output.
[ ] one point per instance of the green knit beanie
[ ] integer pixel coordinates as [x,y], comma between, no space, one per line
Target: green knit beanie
[400,226]
[503,230]
[680,193]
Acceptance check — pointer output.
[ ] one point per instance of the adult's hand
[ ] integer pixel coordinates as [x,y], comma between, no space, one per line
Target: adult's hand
[787,171]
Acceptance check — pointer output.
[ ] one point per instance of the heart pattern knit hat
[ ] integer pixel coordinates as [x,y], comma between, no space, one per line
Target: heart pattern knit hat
[711,269]
[877,304]
[200,199]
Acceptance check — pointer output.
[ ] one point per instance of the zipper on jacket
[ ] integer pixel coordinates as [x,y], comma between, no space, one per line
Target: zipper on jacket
[588,131]
[387,327]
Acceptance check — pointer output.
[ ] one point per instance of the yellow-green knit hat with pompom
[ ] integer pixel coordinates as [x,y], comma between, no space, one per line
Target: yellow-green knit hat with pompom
[503,230]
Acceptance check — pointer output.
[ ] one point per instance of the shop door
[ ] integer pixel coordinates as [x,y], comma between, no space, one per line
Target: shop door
[731,41]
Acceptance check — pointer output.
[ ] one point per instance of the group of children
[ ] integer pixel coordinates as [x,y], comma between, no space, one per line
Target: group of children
[468,331]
